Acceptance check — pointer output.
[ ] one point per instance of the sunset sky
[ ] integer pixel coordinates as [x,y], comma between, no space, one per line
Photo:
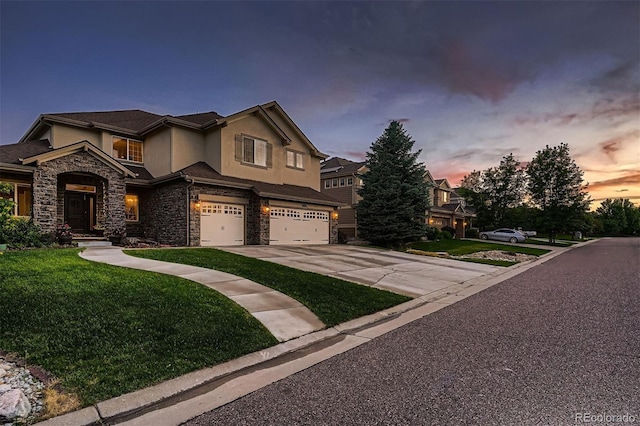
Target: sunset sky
[471,81]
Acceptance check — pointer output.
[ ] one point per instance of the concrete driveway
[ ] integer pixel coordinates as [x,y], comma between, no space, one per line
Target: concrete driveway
[403,273]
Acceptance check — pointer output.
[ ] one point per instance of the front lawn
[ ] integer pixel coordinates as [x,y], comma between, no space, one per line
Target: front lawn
[462,247]
[105,331]
[333,300]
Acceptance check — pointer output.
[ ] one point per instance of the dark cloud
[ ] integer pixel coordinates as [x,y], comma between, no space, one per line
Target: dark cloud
[611,146]
[482,49]
[401,120]
[631,179]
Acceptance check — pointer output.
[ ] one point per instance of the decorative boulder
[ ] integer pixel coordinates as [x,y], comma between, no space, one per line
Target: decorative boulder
[13,404]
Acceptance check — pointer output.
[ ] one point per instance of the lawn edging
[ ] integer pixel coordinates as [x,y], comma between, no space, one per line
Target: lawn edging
[142,401]
[149,399]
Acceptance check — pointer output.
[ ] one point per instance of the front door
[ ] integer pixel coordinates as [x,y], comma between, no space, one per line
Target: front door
[79,211]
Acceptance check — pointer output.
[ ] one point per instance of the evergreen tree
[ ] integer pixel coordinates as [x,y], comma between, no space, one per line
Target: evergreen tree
[555,186]
[394,195]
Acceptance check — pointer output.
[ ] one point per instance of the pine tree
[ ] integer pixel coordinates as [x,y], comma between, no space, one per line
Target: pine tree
[395,195]
[555,186]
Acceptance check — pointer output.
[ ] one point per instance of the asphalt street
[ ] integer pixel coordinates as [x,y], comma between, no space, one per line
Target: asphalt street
[555,345]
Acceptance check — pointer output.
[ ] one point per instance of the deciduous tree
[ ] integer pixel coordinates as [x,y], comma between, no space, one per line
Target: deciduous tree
[556,187]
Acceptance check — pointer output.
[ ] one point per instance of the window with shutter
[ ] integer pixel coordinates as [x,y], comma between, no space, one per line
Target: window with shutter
[253,151]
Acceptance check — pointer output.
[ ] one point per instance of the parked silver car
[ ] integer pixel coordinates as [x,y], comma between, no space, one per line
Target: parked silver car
[504,234]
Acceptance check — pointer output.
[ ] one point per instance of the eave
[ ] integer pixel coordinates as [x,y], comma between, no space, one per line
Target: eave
[77,147]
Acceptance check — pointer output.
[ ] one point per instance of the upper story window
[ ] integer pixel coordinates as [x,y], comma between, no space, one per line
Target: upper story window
[327,183]
[342,181]
[127,149]
[20,194]
[250,150]
[295,160]
[349,181]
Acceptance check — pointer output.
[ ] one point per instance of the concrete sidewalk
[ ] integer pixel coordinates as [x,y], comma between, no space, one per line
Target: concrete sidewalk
[177,400]
[403,273]
[284,317]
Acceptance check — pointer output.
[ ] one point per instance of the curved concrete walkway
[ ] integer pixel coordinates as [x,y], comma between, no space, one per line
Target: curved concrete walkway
[284,317]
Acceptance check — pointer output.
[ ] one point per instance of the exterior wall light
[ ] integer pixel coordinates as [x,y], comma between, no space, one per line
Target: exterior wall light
[334,215]
[197,206]
[265,209]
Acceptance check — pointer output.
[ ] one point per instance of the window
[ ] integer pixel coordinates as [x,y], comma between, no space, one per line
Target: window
[254,151]
[327,183]
[334,183]
[20,194]
[127,149]
[295,160]
[132,207]
[349,181]
[341,181]
[445,197]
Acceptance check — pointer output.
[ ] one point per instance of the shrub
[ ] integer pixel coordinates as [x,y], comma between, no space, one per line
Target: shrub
[446,235]
[432,233]
[20,232]
[472,233]
[449,229]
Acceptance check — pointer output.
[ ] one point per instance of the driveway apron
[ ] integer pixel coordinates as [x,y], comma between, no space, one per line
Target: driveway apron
[284,317]
[403,273]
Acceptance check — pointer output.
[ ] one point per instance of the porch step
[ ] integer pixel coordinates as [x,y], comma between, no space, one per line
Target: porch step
[92,243]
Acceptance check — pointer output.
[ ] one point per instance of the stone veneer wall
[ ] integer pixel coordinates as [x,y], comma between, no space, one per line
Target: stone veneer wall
[333,228]
[143,227]
[194,217]
[165,214]
[45,191]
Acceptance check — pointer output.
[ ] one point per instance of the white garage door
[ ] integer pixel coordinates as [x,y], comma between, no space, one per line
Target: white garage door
[294,226]
[221,224]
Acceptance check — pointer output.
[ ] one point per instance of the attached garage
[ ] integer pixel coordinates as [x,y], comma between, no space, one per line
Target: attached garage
[298,226]
[221,224]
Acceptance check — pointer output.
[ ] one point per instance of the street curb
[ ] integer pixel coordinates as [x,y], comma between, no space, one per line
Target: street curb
[137,403]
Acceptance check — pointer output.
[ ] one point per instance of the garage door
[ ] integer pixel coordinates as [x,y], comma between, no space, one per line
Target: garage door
[295,226]
[221,224]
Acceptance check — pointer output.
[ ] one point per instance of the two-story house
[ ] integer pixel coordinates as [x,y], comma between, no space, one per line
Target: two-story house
[204,179]
[340,179]
[447,208]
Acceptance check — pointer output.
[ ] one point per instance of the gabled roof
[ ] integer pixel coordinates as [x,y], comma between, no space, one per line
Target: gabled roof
[138,123]
[202,172]
[337,167]
[85,146]
[133,120]
[14,153]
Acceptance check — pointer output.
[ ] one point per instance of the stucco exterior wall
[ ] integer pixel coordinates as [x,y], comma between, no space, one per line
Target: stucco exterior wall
[278,173]
[157,152]
[62,135]
[212,149]
[187,147]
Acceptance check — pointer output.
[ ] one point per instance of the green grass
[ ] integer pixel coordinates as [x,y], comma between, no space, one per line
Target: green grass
[104,331]
[461,247]
[333,300]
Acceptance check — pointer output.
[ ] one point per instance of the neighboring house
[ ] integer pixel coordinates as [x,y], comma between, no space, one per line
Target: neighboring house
[340,179]
[447,207]
[192,180]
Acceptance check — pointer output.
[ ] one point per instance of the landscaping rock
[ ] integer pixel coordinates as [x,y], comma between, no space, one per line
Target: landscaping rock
[13,404]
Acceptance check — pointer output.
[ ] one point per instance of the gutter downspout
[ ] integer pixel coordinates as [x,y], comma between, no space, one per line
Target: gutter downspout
[187,178]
